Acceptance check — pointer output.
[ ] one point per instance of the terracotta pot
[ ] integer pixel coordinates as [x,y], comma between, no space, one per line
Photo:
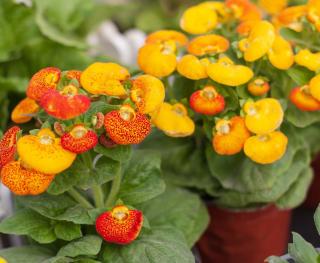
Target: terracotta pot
[313,196]
[245,236]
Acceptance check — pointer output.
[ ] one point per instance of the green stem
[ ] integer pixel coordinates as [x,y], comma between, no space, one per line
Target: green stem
[97,192]
[115,187]
[79,198]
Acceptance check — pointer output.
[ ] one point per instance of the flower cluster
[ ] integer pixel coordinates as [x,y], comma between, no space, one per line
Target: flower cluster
[74,126]
[223,64]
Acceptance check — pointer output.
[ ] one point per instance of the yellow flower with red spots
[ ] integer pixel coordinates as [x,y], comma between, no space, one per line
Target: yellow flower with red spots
[125,126]
[44,80]
[266,148]
[230,136]
[173,120]
[224,71]
[23,181]
[105,79]
[148,93]
[120,225]
[24,111]
[44,153]
[79,139]
[207,101]
[74,74]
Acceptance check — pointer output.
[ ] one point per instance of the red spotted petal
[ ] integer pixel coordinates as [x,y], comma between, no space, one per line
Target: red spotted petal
[64,107]
[126,131]
[74,74]
[44,80]
[79,139]
[120,225]
[8,146]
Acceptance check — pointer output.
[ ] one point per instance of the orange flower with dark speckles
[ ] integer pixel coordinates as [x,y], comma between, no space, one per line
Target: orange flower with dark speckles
[79,139]
[44,80]
[127,126]
[120,225]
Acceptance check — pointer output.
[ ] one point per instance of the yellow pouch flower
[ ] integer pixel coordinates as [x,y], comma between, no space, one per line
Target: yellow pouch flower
[198,19]
[44,152]
[192,67]
[259,41]
[148,93]
[263,116]
[266,149]
[162,36]
[104,79]
[290,17]
[221,9]
[224,71]
[208,44]
[173,120]
[308,59]
[314,87]
[313,12]
[273,7]
[281,54]
[158,60]
[24,111]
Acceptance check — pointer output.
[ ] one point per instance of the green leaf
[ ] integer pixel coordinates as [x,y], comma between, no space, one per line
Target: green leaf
[235,199]
[298,191]
[120,153]
[79,175]
[87,245]
[50,30]
[275,259]
[300,118]
[28,222]
[180,209]
[67,230]
[302,251]
[186,159]
[59,207]
[317,219]
[300,75]
[161,244]
[142,178]
[245,175]
[30,254]
[58,259]
[98,106]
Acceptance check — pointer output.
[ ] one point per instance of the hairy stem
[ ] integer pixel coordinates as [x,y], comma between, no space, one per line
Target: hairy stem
[97,192]
[79,198]
[115,187]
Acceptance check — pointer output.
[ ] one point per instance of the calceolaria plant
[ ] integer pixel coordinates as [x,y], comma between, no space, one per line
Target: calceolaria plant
[83,194]
[300,250]
[243,95]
